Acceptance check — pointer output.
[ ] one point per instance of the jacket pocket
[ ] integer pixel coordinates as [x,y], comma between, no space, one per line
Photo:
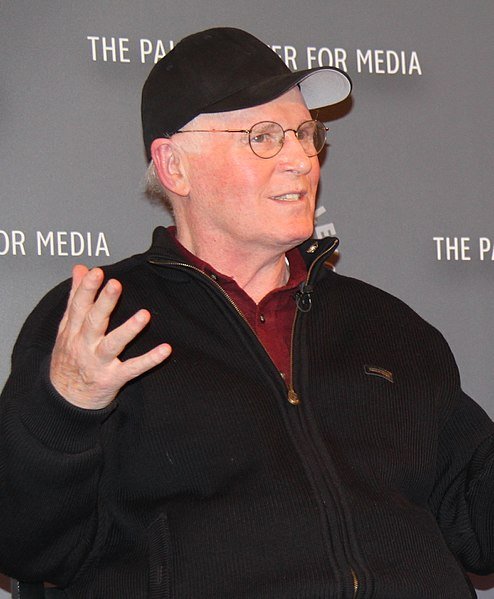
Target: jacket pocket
[159,558]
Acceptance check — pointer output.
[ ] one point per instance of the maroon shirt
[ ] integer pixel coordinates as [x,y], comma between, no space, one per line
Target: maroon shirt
[272,318]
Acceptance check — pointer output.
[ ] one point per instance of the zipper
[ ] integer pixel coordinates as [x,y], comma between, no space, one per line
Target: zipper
[305,305]
[165,262]
[318,472]
[355,583]
[304,302]
[292,395]
[203,275]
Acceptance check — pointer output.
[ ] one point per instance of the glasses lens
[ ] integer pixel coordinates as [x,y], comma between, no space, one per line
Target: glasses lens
[266,139]
[312,136]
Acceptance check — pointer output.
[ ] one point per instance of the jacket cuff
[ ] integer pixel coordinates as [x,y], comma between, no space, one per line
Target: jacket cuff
[57,423]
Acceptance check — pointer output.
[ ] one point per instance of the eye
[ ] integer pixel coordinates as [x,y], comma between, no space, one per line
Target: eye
[306,132]
[266,133]
[262,138]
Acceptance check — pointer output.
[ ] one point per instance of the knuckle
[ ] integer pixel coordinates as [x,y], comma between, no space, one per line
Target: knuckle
[108,347]
[91,319]
[134,368]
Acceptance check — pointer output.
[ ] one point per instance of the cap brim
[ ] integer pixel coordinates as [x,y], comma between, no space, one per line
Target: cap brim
[324,87]
[320,87]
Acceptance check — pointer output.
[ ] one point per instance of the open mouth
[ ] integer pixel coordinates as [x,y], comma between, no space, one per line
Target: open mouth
[288,197]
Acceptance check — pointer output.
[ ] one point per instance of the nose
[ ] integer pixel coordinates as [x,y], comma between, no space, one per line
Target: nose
[292,155]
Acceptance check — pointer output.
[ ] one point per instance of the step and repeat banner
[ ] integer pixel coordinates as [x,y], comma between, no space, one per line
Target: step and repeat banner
[406,182]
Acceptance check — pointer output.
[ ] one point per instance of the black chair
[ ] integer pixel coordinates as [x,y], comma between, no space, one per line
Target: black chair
[34,590]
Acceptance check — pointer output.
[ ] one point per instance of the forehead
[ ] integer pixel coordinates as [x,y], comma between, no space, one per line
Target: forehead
[289,108]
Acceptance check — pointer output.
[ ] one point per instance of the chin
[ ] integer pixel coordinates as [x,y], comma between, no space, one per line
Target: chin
[295,240]
[300,234]
[293,233]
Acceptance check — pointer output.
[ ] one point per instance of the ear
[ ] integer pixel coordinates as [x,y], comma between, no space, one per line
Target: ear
[169,162]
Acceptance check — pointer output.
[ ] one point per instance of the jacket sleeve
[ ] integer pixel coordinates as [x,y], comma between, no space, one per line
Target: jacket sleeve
[463,497]
[50,462]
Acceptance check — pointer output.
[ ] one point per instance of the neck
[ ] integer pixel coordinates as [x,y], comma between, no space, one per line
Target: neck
[257,273]
[264,280]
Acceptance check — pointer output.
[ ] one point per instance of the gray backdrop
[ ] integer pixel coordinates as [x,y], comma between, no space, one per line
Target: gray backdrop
[407,181]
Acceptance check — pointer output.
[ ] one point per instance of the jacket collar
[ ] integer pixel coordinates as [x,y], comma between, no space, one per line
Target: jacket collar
[314,251]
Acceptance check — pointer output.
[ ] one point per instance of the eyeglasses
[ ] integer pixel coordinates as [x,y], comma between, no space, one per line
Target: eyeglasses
[267,138]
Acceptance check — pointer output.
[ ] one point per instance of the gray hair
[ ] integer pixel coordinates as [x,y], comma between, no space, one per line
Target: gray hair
[153,187]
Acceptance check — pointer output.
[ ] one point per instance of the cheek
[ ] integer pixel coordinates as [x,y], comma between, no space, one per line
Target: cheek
[209,176]
[315,172]
[243,180]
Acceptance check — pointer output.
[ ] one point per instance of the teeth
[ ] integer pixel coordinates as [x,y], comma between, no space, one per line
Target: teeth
[289,197]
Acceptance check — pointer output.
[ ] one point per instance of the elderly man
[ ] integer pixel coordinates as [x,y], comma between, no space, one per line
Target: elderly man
[307,436]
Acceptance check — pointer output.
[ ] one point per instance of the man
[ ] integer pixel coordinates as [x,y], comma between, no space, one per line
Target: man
[306,437]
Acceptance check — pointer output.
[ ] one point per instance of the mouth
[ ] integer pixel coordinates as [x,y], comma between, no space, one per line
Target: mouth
[289,197]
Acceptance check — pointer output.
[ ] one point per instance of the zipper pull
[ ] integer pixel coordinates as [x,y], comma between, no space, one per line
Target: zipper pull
[293,397]
[303,297]
[355,583]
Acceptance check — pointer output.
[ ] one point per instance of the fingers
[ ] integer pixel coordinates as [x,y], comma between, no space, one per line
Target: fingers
[85,285]
[78,272]
[84,312]
[134,367]
[115,342]
[85,367]
[98,312]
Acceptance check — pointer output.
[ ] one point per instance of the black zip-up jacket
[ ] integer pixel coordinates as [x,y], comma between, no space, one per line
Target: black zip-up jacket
[208,478]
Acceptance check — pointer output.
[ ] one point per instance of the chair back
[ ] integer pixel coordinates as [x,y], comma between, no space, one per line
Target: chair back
[27,590]
[34,590]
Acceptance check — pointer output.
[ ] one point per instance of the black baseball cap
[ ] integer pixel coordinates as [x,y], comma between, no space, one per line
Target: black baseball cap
[224,69]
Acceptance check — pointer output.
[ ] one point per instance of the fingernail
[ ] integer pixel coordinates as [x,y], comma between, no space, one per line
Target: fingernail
[141,316]
[112,285]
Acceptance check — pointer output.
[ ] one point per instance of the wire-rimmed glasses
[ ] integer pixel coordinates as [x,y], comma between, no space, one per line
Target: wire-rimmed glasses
[266,138]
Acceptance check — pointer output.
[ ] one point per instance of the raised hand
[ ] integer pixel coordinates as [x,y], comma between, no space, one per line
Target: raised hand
[85,368]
